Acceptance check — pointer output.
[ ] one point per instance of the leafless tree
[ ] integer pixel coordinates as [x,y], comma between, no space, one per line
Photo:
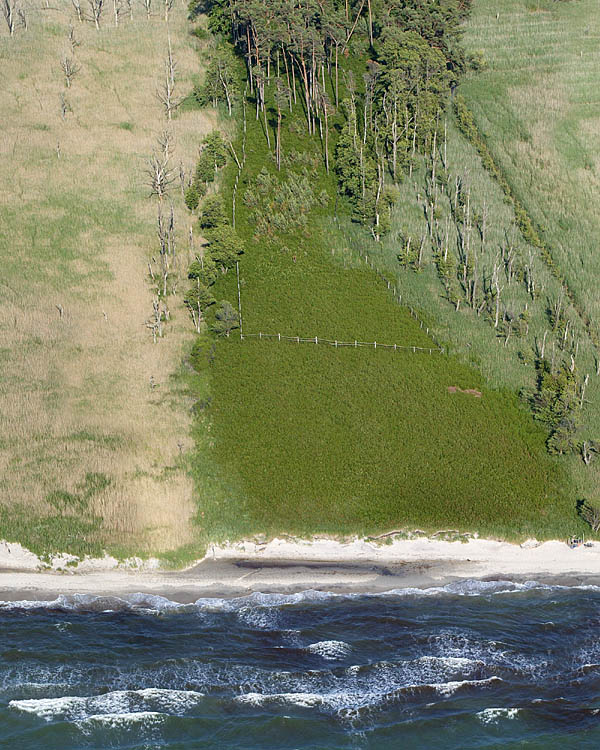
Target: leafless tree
[155,322]
[166,238]
[64,106]
[148,6]
[165,141]
[160,176]
[182,177]
[70,69]
[168,8]
[72,40]
[10,12]
[166,91]
[77,5]
[96,7]
[22,18]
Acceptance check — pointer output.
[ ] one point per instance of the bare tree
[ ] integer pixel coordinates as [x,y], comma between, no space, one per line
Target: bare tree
[168,8]
[148,6]
[166,91]
[155,322]
[96,7]
[72,40]
[165,141]
[10,11]
[160,176]
[70,69]
[77,6]
[22,18]
[166,238]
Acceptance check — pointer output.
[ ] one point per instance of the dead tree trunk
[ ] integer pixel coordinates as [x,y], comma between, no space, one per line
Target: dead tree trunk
[96,7]
[70,69]
[9,11]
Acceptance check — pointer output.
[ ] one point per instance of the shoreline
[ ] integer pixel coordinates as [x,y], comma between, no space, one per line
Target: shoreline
[287,567]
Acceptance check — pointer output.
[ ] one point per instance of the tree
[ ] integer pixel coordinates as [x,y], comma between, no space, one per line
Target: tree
[96,7]
[192,198]
[590,513]
[166,91]
[226,319]
[220,81]
[282,96]
[197,299]
[70,69]
[225,246]
[159,176]
[213,157]
[77,6]
[213,212]
[9,11]
[203,269]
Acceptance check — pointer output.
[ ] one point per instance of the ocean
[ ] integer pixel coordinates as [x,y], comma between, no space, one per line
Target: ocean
[469,665]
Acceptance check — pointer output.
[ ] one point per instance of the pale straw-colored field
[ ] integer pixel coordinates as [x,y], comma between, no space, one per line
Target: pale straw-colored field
[84,391]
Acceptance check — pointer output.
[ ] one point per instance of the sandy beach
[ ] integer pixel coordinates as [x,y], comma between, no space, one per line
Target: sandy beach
[288,566]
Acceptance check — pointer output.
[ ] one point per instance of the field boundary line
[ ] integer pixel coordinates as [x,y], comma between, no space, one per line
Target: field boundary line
[338,343]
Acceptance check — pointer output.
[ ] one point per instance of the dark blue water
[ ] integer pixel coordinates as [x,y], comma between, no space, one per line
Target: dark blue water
[473,665]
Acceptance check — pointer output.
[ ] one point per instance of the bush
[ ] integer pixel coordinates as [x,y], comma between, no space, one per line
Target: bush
[213,212]
[202,353]
[226,319]
[192,198]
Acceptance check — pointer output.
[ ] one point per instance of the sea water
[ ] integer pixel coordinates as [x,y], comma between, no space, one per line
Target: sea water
[470,665]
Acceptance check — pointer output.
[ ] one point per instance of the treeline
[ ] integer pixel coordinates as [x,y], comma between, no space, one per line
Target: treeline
[371,79]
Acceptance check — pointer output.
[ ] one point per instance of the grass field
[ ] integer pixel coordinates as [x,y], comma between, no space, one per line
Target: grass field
[537,107]
[314,439]
[93,427]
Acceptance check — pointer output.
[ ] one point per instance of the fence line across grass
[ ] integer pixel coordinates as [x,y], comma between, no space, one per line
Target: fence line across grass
[336,343]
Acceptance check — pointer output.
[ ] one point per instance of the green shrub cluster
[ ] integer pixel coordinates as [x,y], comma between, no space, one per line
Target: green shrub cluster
[212,158]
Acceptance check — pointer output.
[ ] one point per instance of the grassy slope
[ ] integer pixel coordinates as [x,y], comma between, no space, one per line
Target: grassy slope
[537,108]
[318,439]
[75,396]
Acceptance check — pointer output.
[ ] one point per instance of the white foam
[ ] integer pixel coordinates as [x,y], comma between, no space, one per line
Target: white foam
[126,702]
[330,650]
[154,603]
[303,700]
[449,688]
[494,715]
[343,701]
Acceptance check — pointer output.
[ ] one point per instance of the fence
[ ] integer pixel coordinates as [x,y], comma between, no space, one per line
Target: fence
[336,343]
[364,256]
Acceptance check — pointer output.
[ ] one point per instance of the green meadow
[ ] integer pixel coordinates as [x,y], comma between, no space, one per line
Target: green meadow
[317,439]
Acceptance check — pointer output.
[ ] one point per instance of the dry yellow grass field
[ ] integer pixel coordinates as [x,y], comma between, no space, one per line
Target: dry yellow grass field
[84,391]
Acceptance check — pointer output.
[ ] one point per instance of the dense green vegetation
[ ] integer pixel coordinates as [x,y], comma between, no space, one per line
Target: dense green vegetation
[312,438]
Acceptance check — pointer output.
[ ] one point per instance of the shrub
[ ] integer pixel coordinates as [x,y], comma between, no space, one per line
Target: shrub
[192,198]
[213,212]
